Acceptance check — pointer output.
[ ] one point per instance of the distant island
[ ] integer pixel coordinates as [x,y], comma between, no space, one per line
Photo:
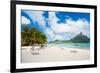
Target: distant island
[32,36]
[80,38]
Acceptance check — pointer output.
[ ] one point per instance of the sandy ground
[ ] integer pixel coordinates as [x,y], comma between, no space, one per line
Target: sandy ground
[54,53]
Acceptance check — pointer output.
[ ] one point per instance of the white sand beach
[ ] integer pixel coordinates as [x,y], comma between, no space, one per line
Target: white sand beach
[53,53]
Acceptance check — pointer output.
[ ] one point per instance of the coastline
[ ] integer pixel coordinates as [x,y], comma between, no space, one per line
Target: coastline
[53,54]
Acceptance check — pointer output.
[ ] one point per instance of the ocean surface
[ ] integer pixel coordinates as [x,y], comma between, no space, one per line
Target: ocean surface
[71,45]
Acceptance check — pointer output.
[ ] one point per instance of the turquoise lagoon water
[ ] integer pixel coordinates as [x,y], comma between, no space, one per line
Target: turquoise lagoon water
[71,45]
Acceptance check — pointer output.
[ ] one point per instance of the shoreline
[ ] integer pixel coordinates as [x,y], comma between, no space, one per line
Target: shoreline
[53,54]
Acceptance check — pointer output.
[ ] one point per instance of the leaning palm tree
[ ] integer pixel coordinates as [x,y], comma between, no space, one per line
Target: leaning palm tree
[32,36]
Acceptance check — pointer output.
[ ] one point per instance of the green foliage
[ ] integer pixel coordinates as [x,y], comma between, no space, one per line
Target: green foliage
[30,36]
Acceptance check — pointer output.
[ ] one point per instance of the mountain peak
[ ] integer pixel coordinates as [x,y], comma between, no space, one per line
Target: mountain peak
[80,38]
[81,33]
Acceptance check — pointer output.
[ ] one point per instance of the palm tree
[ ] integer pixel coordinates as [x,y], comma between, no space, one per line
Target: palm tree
[32,36]
[25,35]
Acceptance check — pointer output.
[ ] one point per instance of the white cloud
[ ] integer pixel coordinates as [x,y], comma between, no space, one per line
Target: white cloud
[78,26]
[50,35]
[36,16]
[25,20]
[71,26]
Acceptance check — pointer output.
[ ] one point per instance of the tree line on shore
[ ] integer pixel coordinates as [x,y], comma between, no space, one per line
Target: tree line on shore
[31,36]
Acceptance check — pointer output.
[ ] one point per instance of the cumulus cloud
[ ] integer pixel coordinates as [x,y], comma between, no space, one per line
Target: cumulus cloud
[71,26]
[58,31]
[80,25]
[36,16]
[49,34]
[25,20]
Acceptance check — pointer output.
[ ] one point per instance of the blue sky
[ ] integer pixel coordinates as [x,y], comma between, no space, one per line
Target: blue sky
[57,25]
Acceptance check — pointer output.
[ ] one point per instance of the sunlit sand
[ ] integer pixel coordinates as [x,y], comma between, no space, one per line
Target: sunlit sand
[53,53]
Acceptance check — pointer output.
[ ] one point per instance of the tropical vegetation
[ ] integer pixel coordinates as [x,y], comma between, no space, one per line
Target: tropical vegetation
[31,36]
